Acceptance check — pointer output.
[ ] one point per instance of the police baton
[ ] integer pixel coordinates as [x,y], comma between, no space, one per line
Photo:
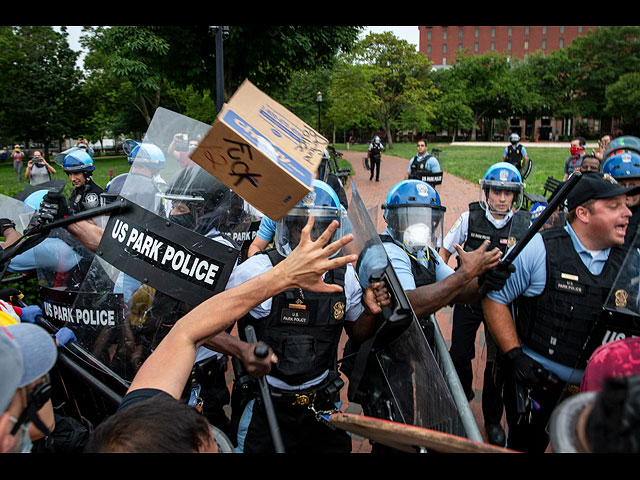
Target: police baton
[557,199]
[261,352]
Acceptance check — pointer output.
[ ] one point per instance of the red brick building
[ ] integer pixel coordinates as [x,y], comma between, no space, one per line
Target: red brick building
[441,44]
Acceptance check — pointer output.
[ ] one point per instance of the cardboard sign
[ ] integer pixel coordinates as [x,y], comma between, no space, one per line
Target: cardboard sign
[262,151]
[166,256]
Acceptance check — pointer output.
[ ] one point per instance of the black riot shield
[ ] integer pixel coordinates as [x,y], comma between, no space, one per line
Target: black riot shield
[395,375]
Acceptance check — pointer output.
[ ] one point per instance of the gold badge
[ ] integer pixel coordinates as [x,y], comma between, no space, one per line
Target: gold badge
[621,298]
[338,311]
[511,241]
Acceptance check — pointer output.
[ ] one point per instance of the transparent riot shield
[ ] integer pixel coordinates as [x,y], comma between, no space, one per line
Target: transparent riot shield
[621,317]
[17,211]
[402,381]
[172,248]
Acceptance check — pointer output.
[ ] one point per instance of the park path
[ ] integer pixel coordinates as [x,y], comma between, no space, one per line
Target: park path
[455,194]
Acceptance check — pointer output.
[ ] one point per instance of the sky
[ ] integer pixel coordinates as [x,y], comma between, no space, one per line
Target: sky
[410,34]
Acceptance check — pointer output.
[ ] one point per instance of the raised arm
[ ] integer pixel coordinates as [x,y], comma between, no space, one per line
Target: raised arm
[169,366]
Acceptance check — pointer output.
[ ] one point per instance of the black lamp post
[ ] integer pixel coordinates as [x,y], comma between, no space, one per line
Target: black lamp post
[221,33]
[319,101]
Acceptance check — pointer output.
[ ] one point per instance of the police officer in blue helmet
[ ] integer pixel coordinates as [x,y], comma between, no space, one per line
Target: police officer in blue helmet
[414,219]
[497,216]
[304,329]
[145,181]
[624,166]
[79,166]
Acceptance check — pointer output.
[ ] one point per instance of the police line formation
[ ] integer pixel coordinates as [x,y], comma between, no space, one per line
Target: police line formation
[129,330]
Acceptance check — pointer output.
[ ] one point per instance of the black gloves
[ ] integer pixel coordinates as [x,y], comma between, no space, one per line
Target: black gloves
[495,278]
[524,368]
[6,223]
[53,207]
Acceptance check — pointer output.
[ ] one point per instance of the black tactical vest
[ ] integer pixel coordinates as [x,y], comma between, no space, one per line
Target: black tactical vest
[481,229]
[514,156]
[85,197]
[418,171]
[558,322]
[303,328]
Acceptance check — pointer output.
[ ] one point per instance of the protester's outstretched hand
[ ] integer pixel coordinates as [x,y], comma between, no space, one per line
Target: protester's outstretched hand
[307,263]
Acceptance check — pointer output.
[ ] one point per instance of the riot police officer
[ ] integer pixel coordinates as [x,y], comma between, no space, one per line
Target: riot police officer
[423,166]
[303,328]
[623,164]
[497,216]
[515,153]
[560,283]
[78,165]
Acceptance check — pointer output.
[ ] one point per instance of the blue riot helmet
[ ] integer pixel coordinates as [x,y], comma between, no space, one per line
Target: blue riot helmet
[414,215]
[74,160]
[622,144]
[500,180]
[322,203]
[144,154]
[623,166]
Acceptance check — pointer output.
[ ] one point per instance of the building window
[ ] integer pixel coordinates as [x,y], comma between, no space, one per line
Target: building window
[510,31]
[429,35]
[544,44]
[561,29]
[493,32]
[493,46]
[561,43]
[444,48]
[544,30]
[429,49]
[460,33]
[526,31]
[579,28]
[460,46]
[509,45]
[476,47]
[477,33]
[526,45]
[444,34]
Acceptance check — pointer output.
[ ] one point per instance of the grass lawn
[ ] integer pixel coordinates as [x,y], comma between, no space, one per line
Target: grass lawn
[9,185]
[471,162]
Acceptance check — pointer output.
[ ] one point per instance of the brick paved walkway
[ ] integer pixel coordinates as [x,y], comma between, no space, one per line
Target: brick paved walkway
[455,194]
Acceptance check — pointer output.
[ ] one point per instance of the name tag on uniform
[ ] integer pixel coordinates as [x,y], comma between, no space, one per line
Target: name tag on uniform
[294,316]
[570,286]
[480,236]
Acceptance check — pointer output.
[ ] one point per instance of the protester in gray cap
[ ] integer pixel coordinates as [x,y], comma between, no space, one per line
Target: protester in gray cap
[27,350]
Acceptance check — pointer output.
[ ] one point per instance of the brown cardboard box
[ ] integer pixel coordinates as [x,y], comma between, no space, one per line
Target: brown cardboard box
[262,151]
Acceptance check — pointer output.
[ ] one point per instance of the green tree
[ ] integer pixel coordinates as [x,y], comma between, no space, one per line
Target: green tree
[396,88]
[40,86]
[599,58]
[623,101]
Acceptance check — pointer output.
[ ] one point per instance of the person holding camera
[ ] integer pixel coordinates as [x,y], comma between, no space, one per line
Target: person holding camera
[38,169]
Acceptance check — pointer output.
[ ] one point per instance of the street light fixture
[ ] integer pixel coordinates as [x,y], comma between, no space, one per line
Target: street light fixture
[220,32]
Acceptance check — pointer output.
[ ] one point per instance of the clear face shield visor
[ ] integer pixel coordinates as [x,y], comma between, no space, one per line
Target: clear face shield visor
[289,228]
[501,197]
[416,226]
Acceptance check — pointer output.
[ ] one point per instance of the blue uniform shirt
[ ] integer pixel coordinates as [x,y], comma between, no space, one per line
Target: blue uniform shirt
[529,280]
